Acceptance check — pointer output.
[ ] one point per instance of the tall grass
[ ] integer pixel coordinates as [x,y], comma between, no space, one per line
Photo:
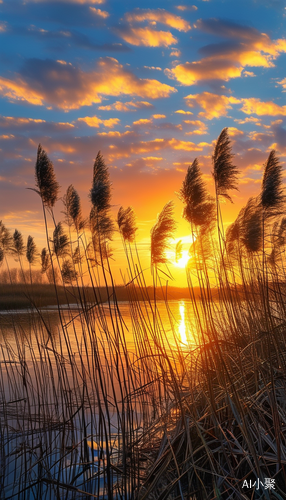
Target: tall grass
[86,415]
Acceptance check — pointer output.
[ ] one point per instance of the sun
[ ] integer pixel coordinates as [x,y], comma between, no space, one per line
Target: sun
[182,262]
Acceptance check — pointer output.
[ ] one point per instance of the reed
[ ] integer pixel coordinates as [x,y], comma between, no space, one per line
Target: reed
[86,414]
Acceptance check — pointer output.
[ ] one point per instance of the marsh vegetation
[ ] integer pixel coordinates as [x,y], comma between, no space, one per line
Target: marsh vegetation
[110,400]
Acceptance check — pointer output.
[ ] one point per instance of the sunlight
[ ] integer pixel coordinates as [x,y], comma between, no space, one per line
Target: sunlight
[182,325]
[182,262]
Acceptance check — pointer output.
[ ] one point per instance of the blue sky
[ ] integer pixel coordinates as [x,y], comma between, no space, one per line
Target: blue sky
[151,87]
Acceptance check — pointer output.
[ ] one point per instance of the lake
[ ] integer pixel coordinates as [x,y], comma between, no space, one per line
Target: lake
[79,387]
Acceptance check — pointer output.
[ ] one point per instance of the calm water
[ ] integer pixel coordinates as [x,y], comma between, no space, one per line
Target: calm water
[63,373]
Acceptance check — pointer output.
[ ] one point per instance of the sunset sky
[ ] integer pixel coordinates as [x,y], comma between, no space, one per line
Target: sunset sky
[151,87]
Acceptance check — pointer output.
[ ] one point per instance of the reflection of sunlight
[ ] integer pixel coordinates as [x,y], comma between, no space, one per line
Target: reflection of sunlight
[182,325]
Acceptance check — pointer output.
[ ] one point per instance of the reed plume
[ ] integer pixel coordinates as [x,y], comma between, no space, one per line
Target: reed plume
[251,226]
[68,272]
[45,178]
[60,240]
[126,221]
[6,240]
[18,242]
[102,226]
[31,250]
[272,196]
[224,173]
[45,261]
[199,207]
[71,202]
[161,233]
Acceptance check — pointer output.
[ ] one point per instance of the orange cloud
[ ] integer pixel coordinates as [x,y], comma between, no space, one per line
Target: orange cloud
[19,91]
[256,107]
[186,7]
[146,37]
[182,112]
[175,53]
[206,69]
[142,121]
[214,105]
[94,121]
[159,15]
[283,83]
[126,106]
[184,145]
[80,2]
[233,131]
[198,127]
[252,119]
[99,12]
[68,87]
[158,117]
[228,60]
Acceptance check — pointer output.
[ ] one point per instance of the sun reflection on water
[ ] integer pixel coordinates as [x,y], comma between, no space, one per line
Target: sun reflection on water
[182,324]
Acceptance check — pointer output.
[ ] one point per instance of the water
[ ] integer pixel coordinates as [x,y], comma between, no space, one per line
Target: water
[73,384]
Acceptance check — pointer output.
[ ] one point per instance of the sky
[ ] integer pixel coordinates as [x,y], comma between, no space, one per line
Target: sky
[151,86]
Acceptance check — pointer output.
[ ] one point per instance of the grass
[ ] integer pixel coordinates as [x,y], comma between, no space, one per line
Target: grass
[83,415]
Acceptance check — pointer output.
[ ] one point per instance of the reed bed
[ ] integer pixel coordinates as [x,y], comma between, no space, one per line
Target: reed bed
[86,415]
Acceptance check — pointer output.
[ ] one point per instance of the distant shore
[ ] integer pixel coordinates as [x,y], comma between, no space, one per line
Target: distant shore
[21,296]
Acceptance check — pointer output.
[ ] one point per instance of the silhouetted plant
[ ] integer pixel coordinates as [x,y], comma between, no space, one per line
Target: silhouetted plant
[68,272]
[224,172]
[71,202]
[18,243]
[161,233]
[45,260]
[60,240]
[31,250]
[45,178]
[199,207]
[101,223]
[272,197]
[6,240]
[126,221]
[251,226]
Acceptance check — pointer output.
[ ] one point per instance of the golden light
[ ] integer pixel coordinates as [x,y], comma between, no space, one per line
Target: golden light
[182,325]
[184,259]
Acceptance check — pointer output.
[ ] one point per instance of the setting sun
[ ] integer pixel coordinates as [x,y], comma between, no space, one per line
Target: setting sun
[184,259]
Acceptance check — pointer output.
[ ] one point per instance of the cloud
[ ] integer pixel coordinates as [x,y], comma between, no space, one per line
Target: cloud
[214,105]
[186,7]
[153,67]
[175,53]
[99,12]
[252,119]
[146,37]
[94,121]
[257,107]
[143,121]
[197,127]
[126,106]
[283,83]
[30,125]
[68,87]
[223,61]
[78,2]
[158,15]
[234,132]
[159,117]
[182,112]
